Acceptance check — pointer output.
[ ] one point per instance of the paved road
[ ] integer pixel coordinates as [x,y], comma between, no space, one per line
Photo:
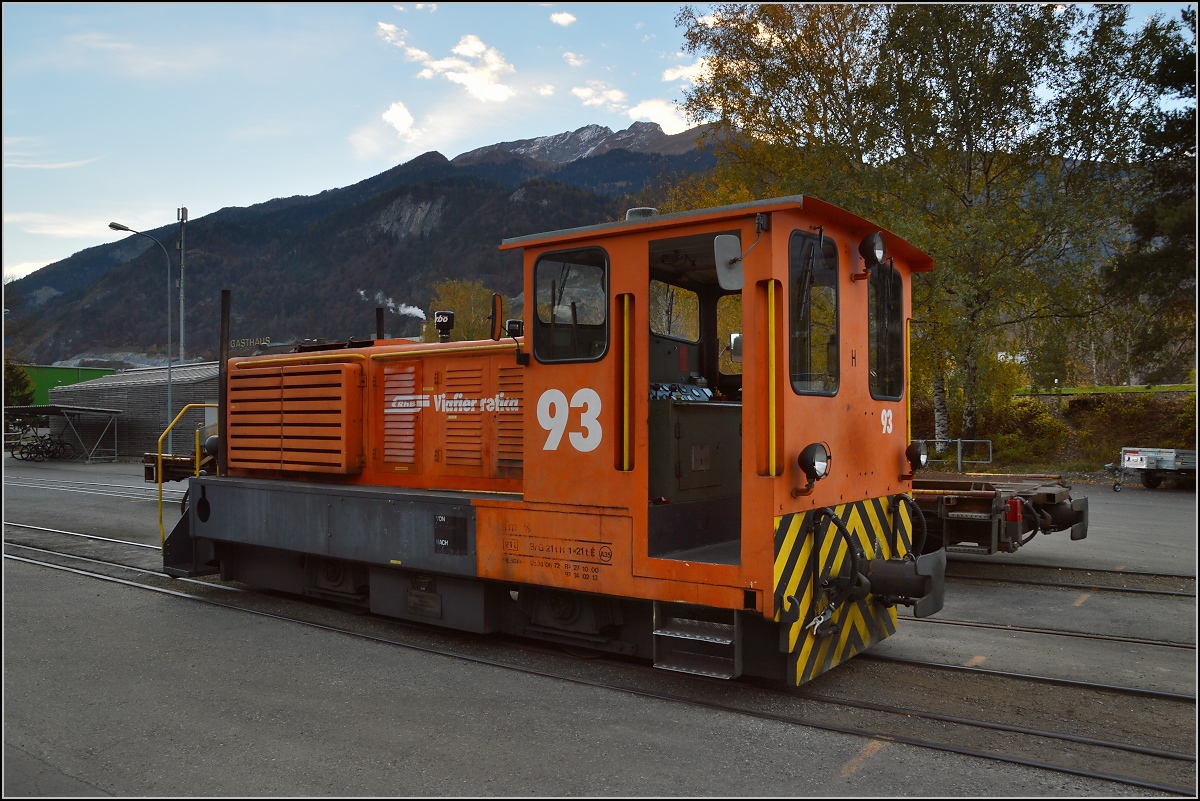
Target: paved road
[109,690]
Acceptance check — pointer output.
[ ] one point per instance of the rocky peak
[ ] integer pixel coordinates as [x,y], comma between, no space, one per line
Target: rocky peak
[590,140]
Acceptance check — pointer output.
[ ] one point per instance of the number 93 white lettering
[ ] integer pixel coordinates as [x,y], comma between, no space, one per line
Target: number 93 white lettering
[553,413]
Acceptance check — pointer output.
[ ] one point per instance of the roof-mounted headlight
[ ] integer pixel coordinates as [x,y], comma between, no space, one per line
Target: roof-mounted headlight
[871,249]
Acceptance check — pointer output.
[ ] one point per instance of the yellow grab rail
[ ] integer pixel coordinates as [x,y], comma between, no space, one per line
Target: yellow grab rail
[158,474]
[771,378]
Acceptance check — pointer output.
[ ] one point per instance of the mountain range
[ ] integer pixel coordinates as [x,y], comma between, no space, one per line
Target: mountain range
[316,266]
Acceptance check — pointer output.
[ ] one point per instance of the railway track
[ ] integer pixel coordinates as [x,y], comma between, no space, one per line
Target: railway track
[865,697]
[147,492]
[1075,578]
[1084,635]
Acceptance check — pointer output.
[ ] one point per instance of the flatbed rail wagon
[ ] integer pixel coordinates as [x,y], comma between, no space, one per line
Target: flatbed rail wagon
[977,514]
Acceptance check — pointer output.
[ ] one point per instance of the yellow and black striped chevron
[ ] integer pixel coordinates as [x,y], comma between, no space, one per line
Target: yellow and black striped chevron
[806,555]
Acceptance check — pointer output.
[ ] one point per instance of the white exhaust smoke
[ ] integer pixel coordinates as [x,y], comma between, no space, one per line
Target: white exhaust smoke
[402,309]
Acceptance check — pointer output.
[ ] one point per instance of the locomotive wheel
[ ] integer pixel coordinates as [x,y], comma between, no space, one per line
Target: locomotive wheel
[1151,481]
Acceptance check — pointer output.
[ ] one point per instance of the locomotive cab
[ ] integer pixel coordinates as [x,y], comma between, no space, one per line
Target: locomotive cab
[736,379]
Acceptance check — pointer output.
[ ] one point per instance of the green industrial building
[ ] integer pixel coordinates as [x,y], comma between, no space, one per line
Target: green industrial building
[46,377]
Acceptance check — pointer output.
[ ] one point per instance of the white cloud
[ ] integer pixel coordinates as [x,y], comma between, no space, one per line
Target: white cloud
[430,7]
[562,18]
[474,66]
[155,61]
[664,112]
[372,140]
[688,73]
[14,271]
[68,227]
[574,60]
[399,118]
[598,93]
[545,90]
[22,162]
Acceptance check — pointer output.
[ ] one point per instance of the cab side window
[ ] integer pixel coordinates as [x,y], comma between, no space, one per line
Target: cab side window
[885,332]
[571,320]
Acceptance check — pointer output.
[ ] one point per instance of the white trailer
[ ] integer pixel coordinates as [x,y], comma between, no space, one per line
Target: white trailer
[1152,465]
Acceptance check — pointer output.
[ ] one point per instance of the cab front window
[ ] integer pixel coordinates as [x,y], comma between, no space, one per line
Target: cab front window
[571,320]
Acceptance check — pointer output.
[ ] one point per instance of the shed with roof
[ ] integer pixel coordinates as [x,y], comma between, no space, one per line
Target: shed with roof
[141,397]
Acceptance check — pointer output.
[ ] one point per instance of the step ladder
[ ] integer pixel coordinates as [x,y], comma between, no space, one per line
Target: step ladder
[700,640]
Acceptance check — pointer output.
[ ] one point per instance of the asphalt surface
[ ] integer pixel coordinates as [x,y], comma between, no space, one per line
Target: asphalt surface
[111,690]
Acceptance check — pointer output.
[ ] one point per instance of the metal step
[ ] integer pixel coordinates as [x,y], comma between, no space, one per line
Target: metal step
[986,516]
[967,549]
[697,630]
[701,665]
[703,641]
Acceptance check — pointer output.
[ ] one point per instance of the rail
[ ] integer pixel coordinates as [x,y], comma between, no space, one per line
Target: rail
[158,473]
[934,447]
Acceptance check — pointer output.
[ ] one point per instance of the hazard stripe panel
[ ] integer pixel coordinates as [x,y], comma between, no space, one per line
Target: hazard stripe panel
[805,557]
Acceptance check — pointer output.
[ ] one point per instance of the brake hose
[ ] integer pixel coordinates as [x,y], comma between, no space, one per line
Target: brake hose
[919,529]
[856,557]
[1027,507]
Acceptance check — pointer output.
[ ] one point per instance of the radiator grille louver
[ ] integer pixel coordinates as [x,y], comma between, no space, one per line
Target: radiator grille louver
[401,413]
[510,427]
[306,418]
[464,430]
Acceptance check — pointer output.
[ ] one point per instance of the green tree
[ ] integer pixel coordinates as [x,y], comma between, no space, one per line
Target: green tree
[998,138]
[18,388]
[1156,273]
[471,303]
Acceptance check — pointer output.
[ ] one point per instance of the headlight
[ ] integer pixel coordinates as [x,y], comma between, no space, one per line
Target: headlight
[917,454]
[871,249]
[814,461]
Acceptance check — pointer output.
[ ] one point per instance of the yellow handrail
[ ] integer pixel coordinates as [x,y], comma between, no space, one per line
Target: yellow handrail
[771,378]
[625,382]
[158,474]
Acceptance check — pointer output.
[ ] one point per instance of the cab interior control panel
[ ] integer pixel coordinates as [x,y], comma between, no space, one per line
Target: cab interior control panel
[681,392]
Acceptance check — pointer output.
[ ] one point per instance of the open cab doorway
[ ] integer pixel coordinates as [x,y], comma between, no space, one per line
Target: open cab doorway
[695,406]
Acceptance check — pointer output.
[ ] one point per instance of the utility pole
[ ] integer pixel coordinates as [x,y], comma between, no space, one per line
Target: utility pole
[182,216]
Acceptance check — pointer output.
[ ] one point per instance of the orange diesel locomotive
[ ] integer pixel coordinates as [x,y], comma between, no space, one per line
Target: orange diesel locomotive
[693,448]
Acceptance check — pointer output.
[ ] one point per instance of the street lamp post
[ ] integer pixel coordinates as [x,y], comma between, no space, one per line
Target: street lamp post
[182,215]
[118,227]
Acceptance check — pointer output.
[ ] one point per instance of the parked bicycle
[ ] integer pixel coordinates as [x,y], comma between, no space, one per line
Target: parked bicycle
[36,447]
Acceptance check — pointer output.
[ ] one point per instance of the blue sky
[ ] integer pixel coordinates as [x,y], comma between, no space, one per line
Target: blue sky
[126,112]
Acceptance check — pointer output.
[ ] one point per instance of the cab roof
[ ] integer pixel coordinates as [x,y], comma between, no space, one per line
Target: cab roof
[917,259]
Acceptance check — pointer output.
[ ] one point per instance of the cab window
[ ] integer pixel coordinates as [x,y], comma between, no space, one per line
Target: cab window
[813,275]
[885,332]
[571,321]
[674,312]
